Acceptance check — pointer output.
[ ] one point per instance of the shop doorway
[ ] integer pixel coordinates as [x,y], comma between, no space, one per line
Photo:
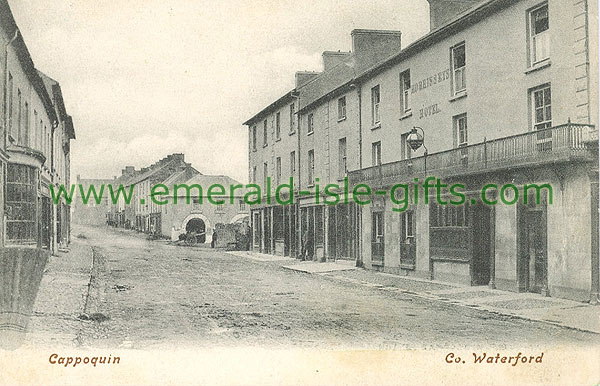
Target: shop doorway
[533,254]
[481,262]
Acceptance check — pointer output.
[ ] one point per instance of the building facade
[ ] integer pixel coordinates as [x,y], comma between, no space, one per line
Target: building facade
[35,140]
[498,92]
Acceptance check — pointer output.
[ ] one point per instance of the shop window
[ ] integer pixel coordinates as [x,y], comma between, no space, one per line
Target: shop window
[21,200]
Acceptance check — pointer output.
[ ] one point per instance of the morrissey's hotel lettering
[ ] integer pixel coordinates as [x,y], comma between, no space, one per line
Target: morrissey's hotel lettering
[493,107]
[431,80]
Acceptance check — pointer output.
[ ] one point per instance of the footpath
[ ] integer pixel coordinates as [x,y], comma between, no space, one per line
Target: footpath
[529,306]
[61,298]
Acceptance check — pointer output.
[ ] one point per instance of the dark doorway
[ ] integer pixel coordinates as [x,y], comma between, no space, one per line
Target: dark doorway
[197,226]
[533,258]
[480,264]
[377,238]
[267,230]
[408,245]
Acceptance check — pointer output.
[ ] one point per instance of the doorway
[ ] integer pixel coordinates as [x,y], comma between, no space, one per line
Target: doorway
[533,256]
[377,238]
[481,262]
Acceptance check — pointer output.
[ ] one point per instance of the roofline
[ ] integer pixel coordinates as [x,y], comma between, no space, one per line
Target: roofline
[10,27]
[285,98]
[451,27]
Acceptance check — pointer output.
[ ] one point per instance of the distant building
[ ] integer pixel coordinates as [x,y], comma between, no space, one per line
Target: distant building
[199,215]
[92,212]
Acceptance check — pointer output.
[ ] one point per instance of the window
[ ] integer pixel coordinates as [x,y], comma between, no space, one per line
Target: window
[460,130]
[26,125]
[278,125]
[292,118]
[254,174]
[220,208]
[405,92]
[459,80]
[343,167]
[539,34]
[265,133]
[311,167]
[265,175]
[444,216]
[36,131]
[242,204]
[342,108]
[541,106]
[254,138]
[10,105]
[375,99]
[292,163]
[21,199]
[376,153]
[408,222]
[310,121]
[19,118]
[278,171]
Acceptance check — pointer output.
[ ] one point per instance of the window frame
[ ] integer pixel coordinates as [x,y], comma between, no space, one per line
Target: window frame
[277,171]
[292,163]
[375,105]
[534,37]
[278,126]
[311,167]
[265,133]
[376,158]
[292,118]
[310,123]
[342,158]
[342,108]
[456,124]
[405,92]
[455,70]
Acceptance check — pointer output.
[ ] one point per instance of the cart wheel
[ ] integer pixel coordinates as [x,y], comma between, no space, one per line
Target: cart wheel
[190,240]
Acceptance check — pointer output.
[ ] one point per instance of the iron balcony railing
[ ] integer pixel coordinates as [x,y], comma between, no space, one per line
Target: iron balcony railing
[564,143]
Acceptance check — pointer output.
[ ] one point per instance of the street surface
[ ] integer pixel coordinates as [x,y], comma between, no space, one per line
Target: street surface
[147,294]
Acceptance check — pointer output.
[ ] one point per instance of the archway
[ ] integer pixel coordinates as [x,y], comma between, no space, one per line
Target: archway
[197,226]
[195,220]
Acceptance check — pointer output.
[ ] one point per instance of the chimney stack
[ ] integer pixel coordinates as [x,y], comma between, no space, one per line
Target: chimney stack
[303,77]
[333,58]
[442,11]
[373,42]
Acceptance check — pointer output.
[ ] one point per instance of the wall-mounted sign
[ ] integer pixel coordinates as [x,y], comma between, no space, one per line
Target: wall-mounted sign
[429,111]
[430,81]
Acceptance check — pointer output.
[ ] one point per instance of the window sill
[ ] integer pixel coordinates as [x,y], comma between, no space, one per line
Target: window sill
[265,145]
[459,95]
[376,126]
[538,66]
[309,133]
[341,119]
[292,132]
[407,114]
[278,139]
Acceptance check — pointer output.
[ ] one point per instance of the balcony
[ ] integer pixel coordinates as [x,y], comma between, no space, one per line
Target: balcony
[564,143]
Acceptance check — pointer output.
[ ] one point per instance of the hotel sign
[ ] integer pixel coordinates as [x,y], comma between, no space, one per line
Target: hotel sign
[431,81]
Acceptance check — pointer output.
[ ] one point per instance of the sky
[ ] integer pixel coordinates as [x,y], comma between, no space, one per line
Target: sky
[147,78]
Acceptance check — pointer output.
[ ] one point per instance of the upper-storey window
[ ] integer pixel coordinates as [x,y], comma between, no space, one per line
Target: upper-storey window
[405,92]
[342,108]
[26,124]
[343,164]
[311,168]
[19,137]
[265,133]
[459,63]
[10,105]
[539,34]
[376,153]
[460,130]
[542,107]
[254,138]
[278,171]
[375,100]
[278,125]
[292,118]
[310,122]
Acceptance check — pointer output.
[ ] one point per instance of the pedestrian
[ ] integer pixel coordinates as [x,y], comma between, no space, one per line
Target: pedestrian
[213,242]
[307,246]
